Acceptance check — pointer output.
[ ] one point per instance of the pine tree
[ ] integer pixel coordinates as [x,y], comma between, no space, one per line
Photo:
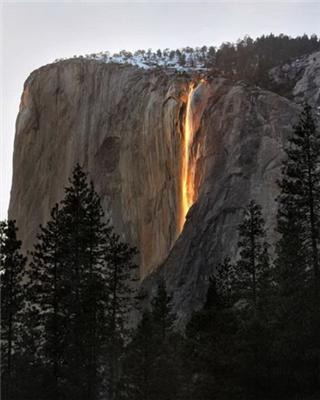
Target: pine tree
[12,264]
[162,316]
[79,287]
[45,294]
[228,340]
[253,267]
[211,56]
[210,351]
[253,284]
[86,241]
[121,277]
[68,291]
[166,362]
[225,283]
[137,364]
[151,362]
[297,259]
[299,201]
[181,58]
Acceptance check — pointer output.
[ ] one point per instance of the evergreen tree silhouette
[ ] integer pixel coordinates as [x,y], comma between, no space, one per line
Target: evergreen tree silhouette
[210,354]
[299,202]
[151,363]
[78,264]
[12,264]
[137,365]
[121,275]
[297,259]
[253,266]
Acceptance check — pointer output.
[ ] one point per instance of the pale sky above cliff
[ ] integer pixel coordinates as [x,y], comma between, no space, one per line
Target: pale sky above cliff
[34,34]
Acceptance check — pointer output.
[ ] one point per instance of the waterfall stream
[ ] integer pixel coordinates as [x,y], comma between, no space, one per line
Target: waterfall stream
[188,167]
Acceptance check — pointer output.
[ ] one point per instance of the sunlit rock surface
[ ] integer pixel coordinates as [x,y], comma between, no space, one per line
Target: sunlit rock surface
[124,126]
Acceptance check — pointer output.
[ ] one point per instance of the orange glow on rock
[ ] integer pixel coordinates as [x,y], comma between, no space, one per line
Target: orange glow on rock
[187,169]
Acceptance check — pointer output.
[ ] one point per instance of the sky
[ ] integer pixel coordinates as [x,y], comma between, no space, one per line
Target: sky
[36,33]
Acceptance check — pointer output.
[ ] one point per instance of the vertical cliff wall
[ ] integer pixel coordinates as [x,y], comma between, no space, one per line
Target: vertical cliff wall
[127,127]
[124,125]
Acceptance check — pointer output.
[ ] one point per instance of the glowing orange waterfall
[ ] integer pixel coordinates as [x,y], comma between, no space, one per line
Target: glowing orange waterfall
[187,169]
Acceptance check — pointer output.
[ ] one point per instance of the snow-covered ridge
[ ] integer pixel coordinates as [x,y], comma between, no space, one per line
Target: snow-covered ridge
[185,59]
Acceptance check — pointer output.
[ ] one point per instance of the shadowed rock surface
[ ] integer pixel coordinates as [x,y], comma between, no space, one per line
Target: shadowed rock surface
[300,79]
[242,134]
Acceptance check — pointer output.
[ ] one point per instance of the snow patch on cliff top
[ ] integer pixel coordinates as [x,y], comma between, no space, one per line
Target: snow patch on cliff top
[180,60]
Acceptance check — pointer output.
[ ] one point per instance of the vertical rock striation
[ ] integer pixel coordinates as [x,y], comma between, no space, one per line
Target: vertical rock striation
[124,126]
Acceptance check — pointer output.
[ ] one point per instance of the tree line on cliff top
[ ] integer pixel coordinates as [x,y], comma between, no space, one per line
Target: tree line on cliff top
[248,59]
[64,316]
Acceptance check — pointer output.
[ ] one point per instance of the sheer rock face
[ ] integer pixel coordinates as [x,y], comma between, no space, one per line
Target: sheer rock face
[125,126]
[241,138]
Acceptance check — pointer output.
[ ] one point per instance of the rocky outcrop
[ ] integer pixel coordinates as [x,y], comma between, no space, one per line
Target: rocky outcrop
[125,126]
[299,80]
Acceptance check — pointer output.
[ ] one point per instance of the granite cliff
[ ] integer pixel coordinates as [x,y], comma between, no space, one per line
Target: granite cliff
[127,127]
[124,126]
